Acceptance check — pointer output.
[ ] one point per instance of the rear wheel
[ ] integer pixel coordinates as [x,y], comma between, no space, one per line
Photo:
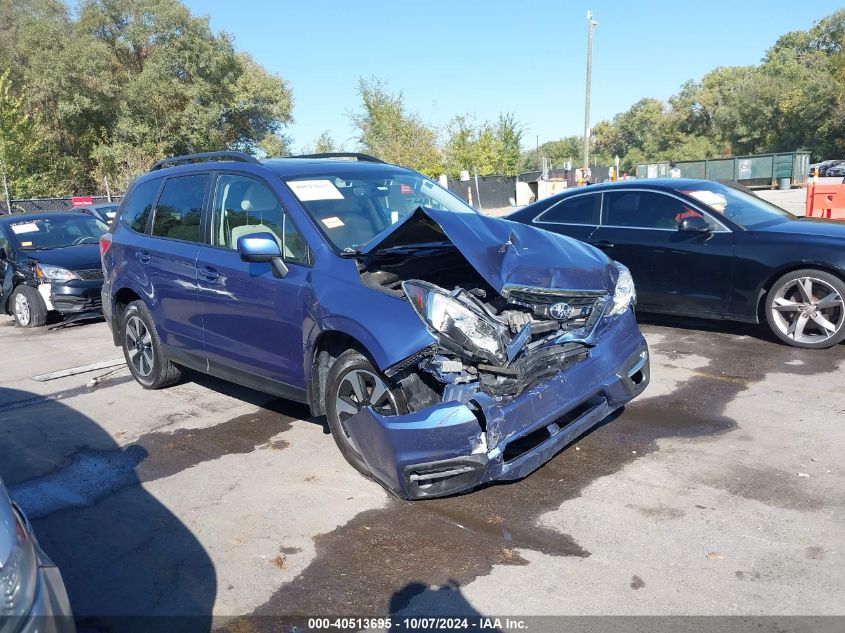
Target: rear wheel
[142,349]
[353,384]
[28,307]
[806,308]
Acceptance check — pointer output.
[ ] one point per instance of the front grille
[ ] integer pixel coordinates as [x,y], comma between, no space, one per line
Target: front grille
[580,309]
[89,275]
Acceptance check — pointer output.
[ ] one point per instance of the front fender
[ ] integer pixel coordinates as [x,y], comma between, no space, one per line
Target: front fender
[385,345]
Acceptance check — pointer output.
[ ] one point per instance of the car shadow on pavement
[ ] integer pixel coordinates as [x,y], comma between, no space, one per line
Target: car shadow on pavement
[128,563]
[290,408]
[760,332]
[418,601]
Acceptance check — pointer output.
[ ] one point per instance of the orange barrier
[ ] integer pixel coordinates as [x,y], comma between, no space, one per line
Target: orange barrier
[825,201]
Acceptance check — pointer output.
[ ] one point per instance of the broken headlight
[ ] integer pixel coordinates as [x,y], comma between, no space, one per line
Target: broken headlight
[625,294]
[46,272]
[461,326]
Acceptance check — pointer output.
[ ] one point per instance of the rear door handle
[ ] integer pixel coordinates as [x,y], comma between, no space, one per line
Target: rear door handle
[143,257]
[602,244]
[209,274]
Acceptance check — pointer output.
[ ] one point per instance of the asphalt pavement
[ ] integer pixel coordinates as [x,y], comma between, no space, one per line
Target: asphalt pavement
[721,491]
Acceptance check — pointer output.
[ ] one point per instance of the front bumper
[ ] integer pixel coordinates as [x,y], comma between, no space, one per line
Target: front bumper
[74,297]
[452,447]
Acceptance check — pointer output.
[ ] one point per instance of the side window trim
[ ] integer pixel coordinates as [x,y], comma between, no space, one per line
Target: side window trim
[721,227]
[539,219]
[203,210]
[208,229]
[148,230]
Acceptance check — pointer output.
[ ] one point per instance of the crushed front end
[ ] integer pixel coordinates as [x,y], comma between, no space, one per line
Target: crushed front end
[520,366]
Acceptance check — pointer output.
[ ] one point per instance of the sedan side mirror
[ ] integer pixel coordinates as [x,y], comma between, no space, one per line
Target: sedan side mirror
[694,223]
[262,247]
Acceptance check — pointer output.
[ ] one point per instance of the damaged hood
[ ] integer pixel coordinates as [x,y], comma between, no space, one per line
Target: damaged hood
[503,252]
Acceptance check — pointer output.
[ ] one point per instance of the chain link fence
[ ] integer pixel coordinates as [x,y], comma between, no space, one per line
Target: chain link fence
[48,204]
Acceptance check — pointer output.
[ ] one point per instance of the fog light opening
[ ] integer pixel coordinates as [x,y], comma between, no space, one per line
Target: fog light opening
[638,377]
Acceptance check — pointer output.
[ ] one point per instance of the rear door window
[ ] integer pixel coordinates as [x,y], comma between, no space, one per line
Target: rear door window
[139,205]
[577,210]
[644,210]
[178,213]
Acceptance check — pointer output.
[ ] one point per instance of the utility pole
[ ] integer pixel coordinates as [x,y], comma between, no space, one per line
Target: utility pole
[591,26]
[6,189]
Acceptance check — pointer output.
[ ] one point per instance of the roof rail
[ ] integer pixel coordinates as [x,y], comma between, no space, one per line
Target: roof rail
[190,158]
[356,155]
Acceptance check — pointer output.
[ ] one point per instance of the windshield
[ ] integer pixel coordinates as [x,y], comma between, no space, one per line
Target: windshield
[744,208]
[351,209]
[57,232]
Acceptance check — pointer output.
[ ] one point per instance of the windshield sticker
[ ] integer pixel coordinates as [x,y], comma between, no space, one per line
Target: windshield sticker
[710,198]
[332,222]
[308,190]
[26,244]
[25,227]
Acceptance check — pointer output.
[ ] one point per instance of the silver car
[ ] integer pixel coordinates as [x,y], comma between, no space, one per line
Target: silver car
[32,594]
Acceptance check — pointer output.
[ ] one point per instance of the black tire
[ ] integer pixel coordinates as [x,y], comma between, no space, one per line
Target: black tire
[794,320]
[346,365]
[142,349]
[28,307]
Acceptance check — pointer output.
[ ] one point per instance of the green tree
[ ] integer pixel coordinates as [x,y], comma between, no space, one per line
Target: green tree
[509,134]
[119,83]
[321,145]
[387,130]
[22,152]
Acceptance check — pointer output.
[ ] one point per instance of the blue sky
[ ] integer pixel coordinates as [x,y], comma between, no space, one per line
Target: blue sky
[483,58]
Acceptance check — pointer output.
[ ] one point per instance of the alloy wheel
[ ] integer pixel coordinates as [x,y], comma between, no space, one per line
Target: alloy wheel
[808,310]
[139,345]
[359,389]
[22,310]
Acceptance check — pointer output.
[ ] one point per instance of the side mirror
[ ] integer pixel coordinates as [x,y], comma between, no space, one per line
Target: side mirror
[262,247]
[3,256]
[695,224]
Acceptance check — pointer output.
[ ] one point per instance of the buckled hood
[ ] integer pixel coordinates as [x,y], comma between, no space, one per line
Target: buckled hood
[503,252]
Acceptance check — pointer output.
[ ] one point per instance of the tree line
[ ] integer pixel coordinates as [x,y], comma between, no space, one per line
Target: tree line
[105,88]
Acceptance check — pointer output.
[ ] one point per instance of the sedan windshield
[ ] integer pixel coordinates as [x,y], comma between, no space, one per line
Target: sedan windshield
[746,209]
[353,208]
[43,233]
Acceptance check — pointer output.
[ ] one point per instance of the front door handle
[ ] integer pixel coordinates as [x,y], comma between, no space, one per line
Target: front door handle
[210,274]
[143,257]
[602,244]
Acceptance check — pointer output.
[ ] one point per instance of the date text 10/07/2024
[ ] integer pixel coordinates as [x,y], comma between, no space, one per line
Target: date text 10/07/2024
[418,623]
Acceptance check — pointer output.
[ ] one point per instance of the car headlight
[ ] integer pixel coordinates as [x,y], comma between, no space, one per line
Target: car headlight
[625,295]
[19,572]
[46,272]
[458,326]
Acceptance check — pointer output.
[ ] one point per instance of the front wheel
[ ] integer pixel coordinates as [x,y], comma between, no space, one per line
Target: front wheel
[142,349]
[806,308]
[28,307]
[353,384]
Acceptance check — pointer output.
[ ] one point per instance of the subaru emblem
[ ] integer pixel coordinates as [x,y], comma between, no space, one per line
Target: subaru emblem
[561,311]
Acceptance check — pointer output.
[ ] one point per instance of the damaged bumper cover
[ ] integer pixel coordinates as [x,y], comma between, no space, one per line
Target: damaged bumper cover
[456,445]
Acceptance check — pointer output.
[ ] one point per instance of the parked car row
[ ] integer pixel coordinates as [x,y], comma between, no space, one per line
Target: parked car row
[828,168]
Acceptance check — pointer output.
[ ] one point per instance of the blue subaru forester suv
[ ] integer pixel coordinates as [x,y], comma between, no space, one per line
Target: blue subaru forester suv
[445,348]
